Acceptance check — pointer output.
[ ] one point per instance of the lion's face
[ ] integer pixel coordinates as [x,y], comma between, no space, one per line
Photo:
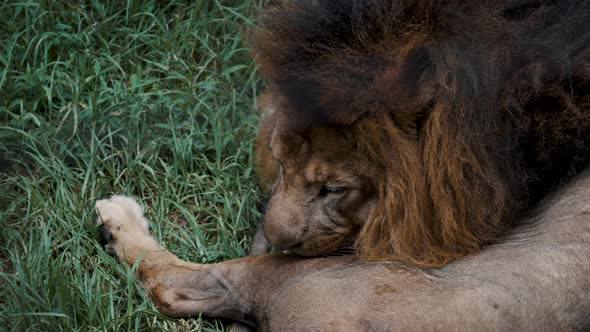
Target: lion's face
[323,192]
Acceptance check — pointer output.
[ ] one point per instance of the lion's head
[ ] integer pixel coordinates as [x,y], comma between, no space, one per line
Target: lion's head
[324,190]
[416,130]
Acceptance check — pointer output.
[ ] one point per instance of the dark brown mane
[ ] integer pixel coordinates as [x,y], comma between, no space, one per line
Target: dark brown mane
[469,111]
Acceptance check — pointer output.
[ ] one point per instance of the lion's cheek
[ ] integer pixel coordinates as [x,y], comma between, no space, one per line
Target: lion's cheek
[356,208]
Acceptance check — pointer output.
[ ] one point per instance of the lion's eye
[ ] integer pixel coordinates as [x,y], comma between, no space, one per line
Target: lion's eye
[325,190]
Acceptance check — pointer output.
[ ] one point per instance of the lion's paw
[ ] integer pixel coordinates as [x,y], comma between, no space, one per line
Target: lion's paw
[122,224]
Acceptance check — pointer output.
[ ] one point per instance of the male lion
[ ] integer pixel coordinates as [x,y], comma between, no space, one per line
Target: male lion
[535,279]
[418,130]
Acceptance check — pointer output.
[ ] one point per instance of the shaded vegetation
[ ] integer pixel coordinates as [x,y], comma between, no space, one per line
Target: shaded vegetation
[148,98]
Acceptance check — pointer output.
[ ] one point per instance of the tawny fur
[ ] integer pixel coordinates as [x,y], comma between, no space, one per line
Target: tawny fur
[537,278]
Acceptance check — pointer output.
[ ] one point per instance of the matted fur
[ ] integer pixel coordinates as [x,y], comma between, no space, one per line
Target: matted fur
[468,111]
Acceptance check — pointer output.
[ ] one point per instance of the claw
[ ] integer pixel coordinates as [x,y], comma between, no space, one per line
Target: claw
[104,235]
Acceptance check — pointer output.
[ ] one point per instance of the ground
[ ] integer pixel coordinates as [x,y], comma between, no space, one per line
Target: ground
[153,99]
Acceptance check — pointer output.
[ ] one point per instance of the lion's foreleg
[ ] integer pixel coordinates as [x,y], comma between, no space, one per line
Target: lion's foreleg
[179,288]
[182,289]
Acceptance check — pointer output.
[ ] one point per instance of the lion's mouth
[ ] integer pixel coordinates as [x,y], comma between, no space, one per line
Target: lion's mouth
[301,250]
[333,247]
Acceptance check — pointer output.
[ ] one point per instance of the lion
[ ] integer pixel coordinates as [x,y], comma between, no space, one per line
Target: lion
[413,133]
[537,278]
[417,130]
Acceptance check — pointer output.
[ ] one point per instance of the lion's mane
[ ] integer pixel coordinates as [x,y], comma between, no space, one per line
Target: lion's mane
[469,111]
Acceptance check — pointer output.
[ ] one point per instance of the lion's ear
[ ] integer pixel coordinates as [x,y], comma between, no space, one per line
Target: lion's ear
[409,88]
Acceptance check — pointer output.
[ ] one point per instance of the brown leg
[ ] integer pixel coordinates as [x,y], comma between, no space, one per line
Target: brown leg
[179,288]
[259,246]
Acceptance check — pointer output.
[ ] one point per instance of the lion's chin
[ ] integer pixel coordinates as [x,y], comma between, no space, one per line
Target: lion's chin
[315,251]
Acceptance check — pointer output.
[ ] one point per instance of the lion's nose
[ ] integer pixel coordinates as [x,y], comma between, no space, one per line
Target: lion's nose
[281,236]
[284,222]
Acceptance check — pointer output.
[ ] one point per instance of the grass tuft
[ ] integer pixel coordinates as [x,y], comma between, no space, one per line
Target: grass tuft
[147,98]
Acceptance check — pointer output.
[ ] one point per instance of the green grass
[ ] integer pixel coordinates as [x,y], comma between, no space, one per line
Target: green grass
[153,99]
